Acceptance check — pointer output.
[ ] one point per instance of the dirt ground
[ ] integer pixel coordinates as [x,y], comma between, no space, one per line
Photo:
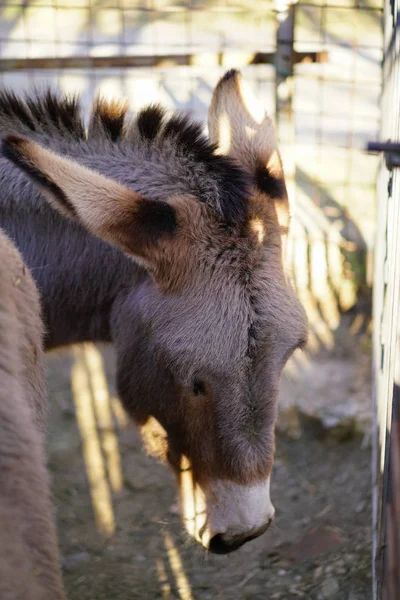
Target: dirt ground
[131,544]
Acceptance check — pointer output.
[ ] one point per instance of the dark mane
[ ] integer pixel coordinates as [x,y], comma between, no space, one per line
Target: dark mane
[108,119]
[42,112]
[188,136]
[57,115]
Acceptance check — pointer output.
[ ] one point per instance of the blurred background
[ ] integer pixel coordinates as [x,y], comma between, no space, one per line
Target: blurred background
[317,67]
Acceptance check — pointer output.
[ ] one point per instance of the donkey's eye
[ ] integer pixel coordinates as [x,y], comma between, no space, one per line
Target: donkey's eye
[198,387]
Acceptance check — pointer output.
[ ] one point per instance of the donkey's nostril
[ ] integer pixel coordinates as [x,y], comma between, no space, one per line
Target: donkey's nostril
[219,546]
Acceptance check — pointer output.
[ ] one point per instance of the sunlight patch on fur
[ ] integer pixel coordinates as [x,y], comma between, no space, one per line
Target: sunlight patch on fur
[154,438]
[274,165]
[257,226]
[194,509]
[224,133]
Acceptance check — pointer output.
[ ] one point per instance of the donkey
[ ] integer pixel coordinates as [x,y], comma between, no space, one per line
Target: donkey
[172,249]
[29,559]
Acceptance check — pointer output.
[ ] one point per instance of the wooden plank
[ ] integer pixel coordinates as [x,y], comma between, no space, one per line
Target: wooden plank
[228,58]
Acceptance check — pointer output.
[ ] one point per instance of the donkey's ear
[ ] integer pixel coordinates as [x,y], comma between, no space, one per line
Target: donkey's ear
[239,126]
[103,206]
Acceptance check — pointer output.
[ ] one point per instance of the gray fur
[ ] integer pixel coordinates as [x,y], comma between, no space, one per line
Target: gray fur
[29,559]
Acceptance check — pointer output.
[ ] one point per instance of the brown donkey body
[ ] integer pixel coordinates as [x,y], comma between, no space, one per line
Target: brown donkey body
[29,560]
[172,249]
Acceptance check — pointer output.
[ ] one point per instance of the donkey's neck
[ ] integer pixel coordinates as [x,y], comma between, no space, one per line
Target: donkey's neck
[79,276]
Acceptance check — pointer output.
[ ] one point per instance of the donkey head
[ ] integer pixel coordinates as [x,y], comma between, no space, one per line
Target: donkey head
[203,339]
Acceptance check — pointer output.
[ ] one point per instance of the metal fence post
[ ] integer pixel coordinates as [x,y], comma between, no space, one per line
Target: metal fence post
[284,91]
[386,456]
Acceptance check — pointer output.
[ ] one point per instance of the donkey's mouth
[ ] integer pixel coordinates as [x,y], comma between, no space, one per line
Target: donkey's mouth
[218,545]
